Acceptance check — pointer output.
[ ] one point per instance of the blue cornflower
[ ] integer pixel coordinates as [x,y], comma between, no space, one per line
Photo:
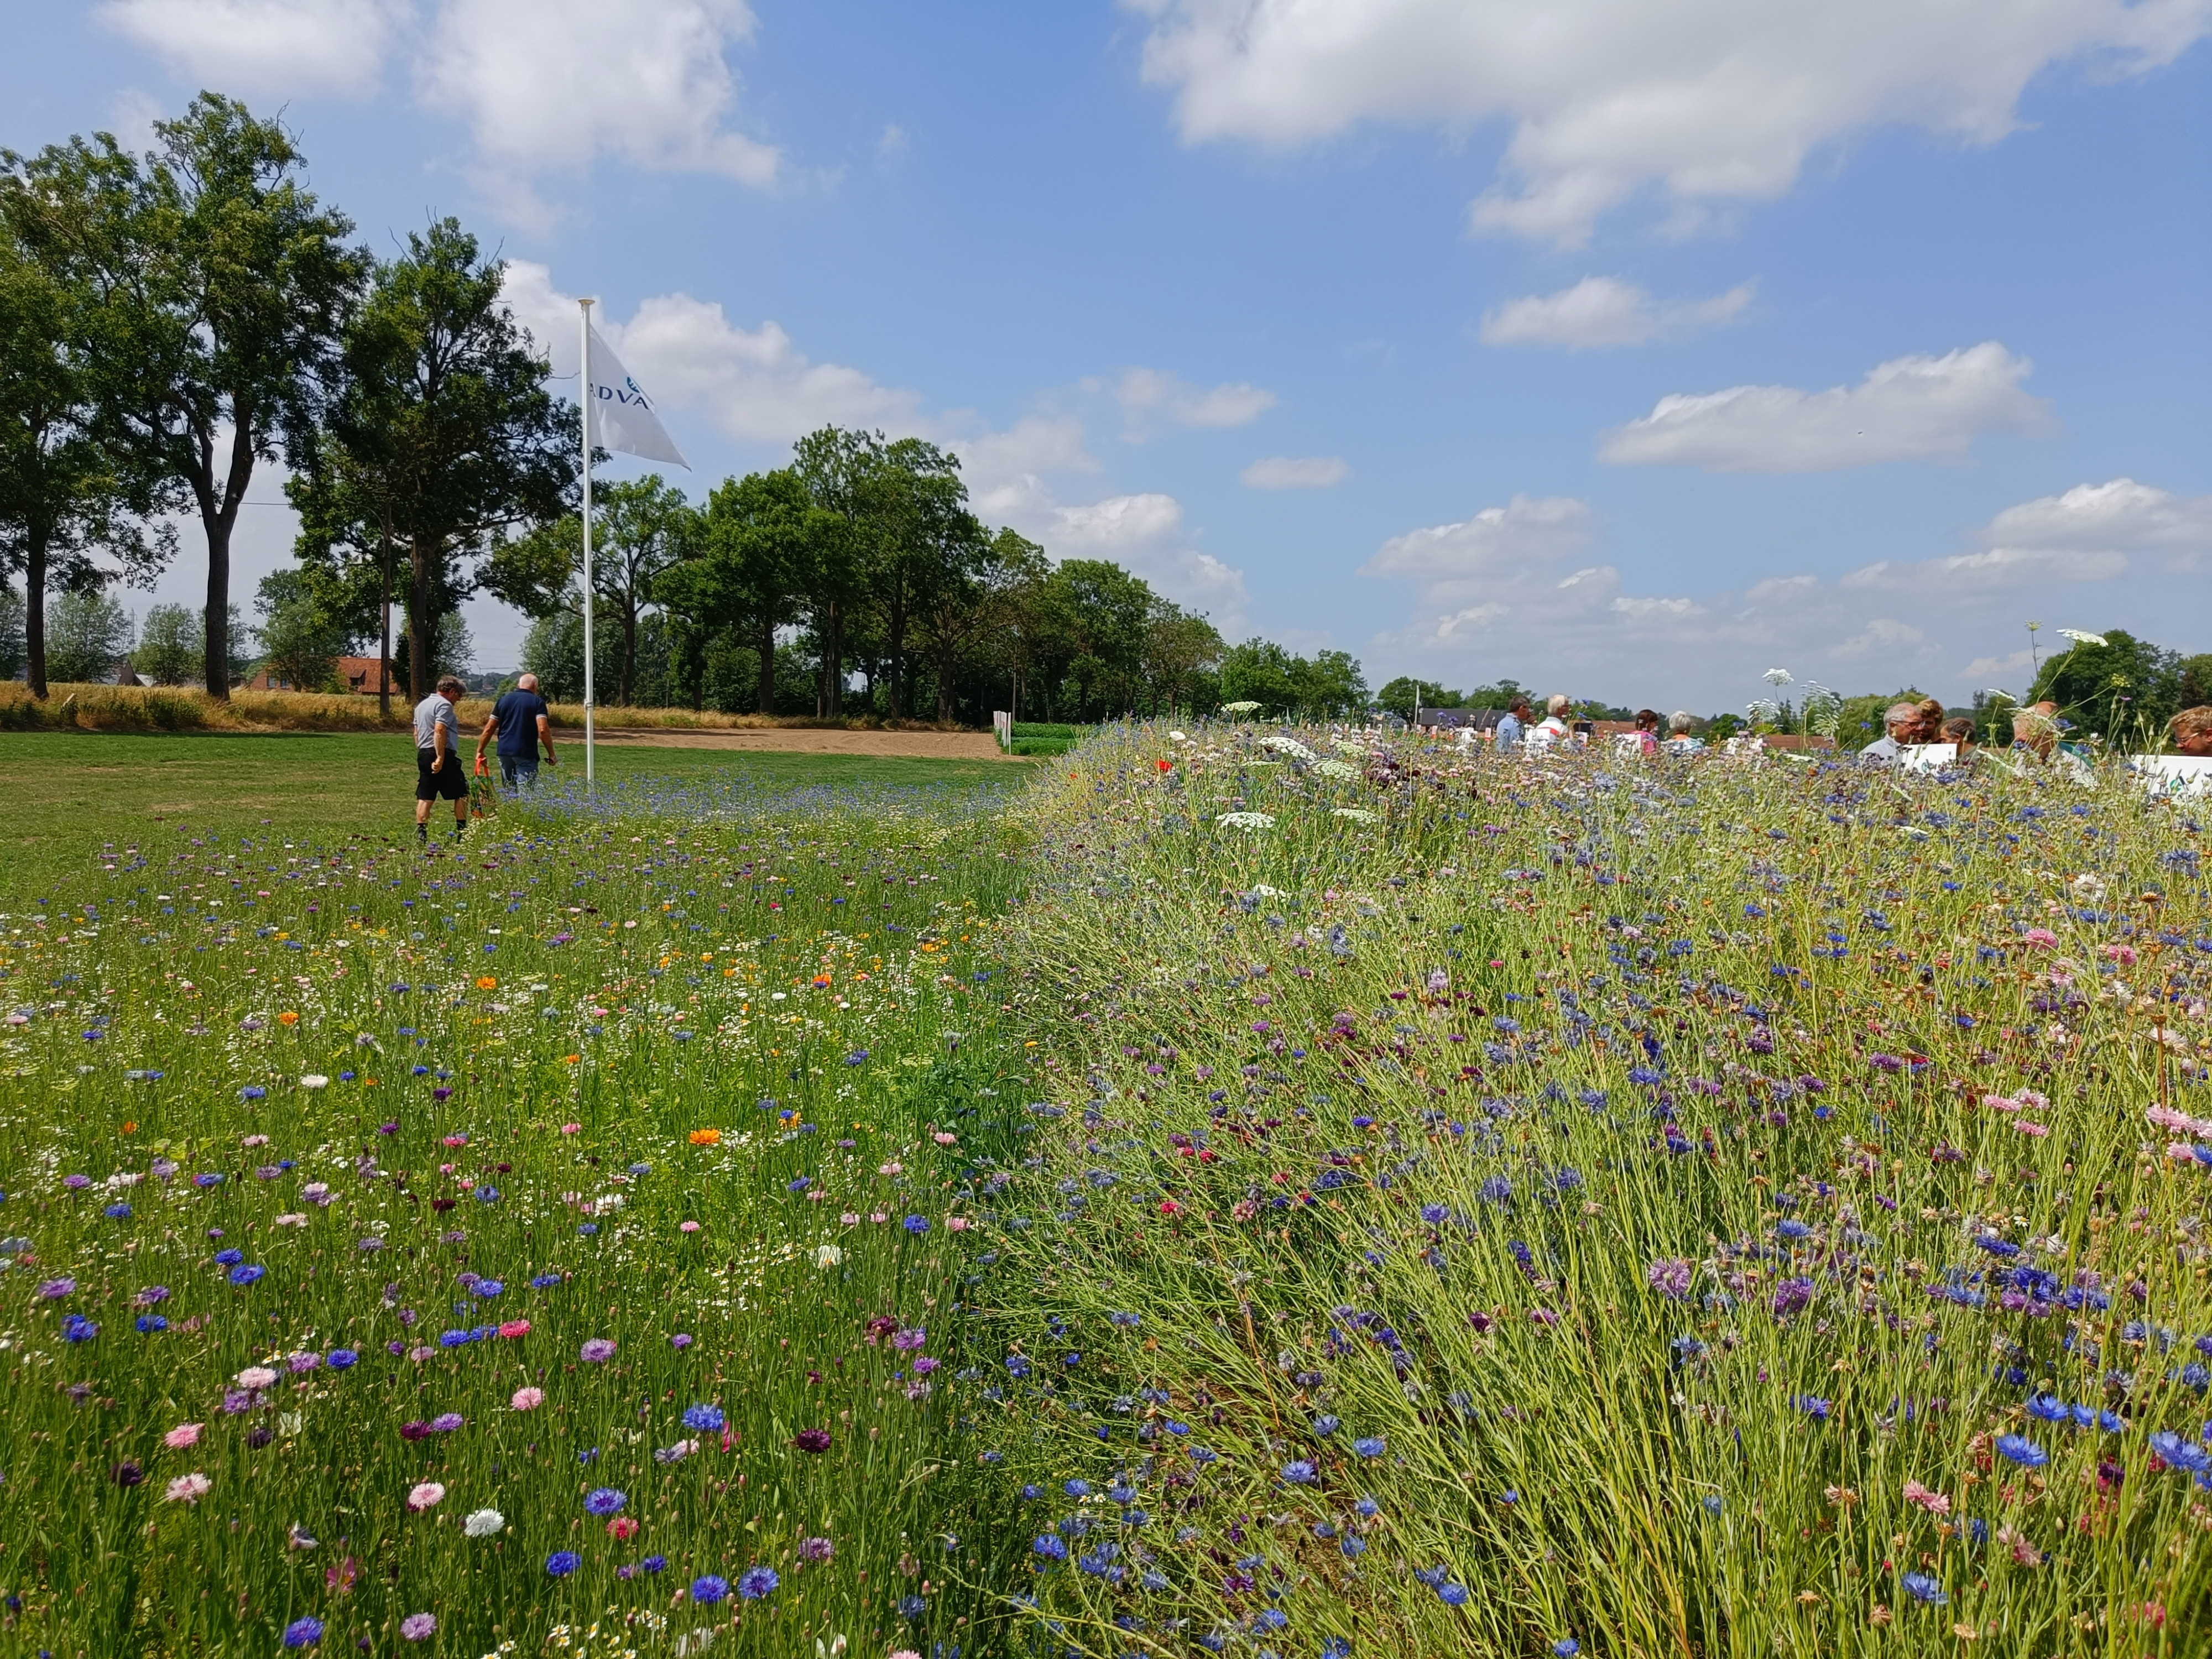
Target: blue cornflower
[228,1258]
[1566,1648]
[755,1583]
[544,1281]
[1048,1546]
[1077,1489]
[709,1589]
[2022,1451]
[705,1418]
[603,1500]
[2049,1408]
[1325,1425]
[150,1324]
[302,1632]
[1928,1591]
[1352,1545]
[1452,1596]
[916,1223]
[487,1287]
[1433,1214]
[1299,1473]
[1373,1445]
[77,1329]
[246,1273]
[117,1212]
[342,1359]
[561,1563]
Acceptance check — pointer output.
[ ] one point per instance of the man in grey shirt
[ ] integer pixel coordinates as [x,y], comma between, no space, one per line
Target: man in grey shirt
[438,771]
[1902,727]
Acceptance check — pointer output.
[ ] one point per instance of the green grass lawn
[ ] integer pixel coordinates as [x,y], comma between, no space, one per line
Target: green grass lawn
[70,788]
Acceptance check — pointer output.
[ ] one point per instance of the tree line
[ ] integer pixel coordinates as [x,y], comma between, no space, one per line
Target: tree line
[173,322]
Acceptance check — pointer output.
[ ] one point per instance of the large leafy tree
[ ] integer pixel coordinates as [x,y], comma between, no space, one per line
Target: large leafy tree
[2114,686]
[843,472]
[218,287]
[640,529]
[760,539]
[62,498]
[441,438]
[975,587]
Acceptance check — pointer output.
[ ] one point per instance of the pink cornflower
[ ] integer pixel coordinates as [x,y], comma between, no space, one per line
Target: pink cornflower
[572,1129]
[2042,937]
[425,1495]
[184,1435]
[687,1227]
[516,1327]
[188,1488]
[957,1223]
[527,1400]
[1934,1502]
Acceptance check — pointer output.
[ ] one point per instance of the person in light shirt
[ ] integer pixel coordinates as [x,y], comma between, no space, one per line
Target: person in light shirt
[1552,728]
[1513,726]
[1902,727]
[1680,739]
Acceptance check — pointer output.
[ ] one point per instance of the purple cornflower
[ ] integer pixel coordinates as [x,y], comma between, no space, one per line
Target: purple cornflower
[446,1422]
[816,1549]
[1792,1296]
[1670,1276]
[605,1500]
[597,1351]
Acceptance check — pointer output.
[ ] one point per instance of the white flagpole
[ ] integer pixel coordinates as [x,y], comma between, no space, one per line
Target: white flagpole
[585,374]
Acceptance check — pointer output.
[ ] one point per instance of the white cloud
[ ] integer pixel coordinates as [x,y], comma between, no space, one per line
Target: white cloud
[282,46]
[1295,472]
[1710,100]
[1984,671]
[1603,311]
[1152,396]
[1907,409]
[546,86]
[2000,567]
[1879,632]
[2118,515]
[1527,530]
[754,384]
[1642,609]
[1144,534]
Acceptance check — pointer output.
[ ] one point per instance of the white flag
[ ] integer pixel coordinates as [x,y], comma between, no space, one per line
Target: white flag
[621,415]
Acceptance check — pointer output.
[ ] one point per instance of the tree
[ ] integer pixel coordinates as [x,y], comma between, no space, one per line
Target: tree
[1097,613]
[1180,656]
[639,530]
[2116,686]
[172,645]
[975,575]
[218,287]
[61,498]
[758,541]
[842,472]
[13,656]
[2193,676]
[301,641]
[88,634]
[1405,697]
[1330,686]
[442,437]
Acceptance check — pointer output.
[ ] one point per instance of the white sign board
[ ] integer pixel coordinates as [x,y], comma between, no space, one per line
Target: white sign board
[1927,756]
[2176,777]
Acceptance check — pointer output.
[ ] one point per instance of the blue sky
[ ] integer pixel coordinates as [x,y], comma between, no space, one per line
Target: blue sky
[1632,354]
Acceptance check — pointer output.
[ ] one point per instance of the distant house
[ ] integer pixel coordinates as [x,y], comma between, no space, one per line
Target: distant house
[125,674]
[360,677]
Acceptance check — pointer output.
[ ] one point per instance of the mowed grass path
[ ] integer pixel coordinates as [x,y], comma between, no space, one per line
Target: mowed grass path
[64,789]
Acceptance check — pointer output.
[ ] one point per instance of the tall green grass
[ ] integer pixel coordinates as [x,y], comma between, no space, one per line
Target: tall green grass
[1694,1208]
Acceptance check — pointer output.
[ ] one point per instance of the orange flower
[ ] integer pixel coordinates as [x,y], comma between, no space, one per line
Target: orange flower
[570,1059]
[288,1017]
[706,1137]
[130,1128]
[487,984]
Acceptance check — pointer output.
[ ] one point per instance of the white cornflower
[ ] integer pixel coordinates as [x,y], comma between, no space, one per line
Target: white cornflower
[1246,821]
[482,1523]
[314,1080]
[827,1257]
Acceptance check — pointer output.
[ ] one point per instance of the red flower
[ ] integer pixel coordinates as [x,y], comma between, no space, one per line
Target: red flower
[1169,1206]
[1165,765]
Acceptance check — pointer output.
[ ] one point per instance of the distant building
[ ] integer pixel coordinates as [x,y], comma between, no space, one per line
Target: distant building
[359,676]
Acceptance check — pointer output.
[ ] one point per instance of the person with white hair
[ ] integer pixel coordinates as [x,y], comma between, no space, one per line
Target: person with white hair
[1680,740]
[1553,727]
[523,722]
[1901,726]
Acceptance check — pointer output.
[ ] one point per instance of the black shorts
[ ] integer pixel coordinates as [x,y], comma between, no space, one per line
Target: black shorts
[449,783]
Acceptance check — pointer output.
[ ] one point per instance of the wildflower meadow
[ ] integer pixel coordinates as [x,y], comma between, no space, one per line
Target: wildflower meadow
[1251,1191]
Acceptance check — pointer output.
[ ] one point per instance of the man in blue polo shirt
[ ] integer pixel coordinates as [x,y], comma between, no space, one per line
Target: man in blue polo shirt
[520,720]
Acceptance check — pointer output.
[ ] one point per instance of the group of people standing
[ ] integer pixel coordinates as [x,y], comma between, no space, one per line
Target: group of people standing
[1519,728]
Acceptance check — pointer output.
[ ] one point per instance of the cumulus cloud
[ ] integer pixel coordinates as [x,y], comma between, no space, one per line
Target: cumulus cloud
[1144,532]
[1604,311]
[282,46]
[1152,396]
[547,85]
[1907,409]
[1526,589]
[1295,472]
[1711,102]
[2120,515]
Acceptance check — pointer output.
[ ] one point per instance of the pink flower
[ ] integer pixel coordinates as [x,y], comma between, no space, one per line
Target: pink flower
[879,1217]
[2042,937]
[184,1435]
[516,1327]
[888,1169]
[687,1227]
[2027,1127]
[189,1488]
[1934,1502]
[958,1224]
[850,1218]
[425,1496]
[527,1400]
[622,1527]
[943,1139]
[2123,954]
[571,1128]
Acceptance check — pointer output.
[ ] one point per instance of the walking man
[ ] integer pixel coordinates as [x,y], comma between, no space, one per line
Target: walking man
[523,723]
[438,772]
